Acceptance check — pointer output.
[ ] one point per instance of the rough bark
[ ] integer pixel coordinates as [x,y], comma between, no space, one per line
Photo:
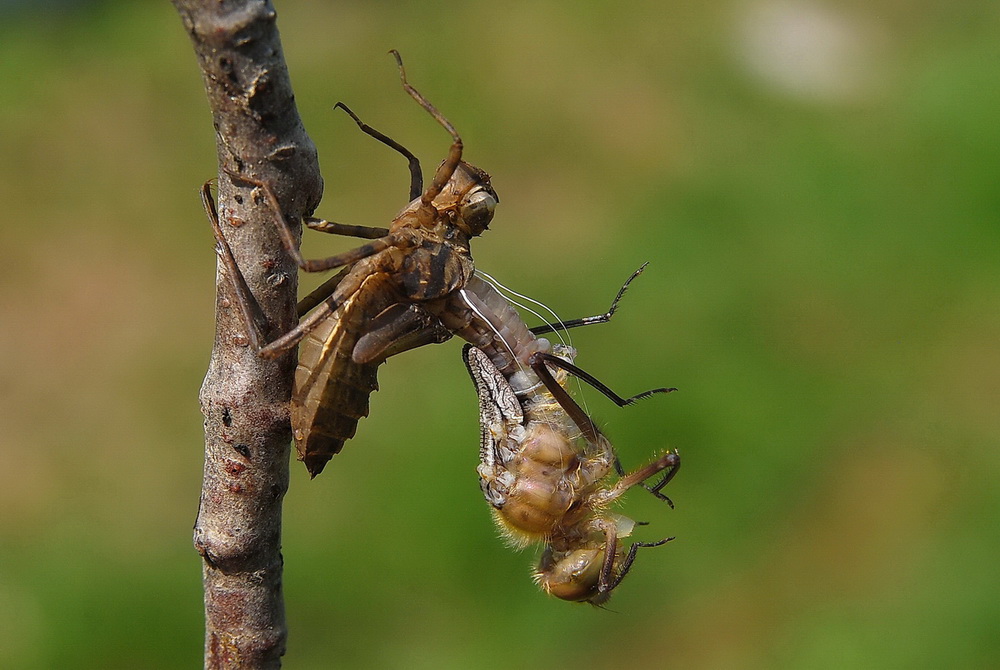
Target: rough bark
[245,398]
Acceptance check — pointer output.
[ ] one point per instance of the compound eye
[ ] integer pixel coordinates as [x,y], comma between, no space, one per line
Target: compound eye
[575,576]
[477,210]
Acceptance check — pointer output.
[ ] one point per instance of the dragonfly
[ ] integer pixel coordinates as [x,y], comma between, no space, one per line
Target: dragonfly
[546,469]
[384,299]
[413,284]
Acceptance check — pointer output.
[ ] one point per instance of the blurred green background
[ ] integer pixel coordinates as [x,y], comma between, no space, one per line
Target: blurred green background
[816,188]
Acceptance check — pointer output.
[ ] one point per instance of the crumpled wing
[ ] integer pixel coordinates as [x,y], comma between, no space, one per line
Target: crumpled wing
[500,425]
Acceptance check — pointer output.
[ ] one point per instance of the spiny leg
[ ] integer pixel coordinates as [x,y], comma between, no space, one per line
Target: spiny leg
[658,486]
[538,361]
[590,320]
[447,168]
[596,383]
[670,461]
[583,374]
[319,265]
[655,488]
[608,581]
[256,322]
[416,178]
[629,559]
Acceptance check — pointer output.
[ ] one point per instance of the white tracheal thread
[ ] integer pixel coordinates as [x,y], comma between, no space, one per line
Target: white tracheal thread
[487,321]
[566,341]
[500,287]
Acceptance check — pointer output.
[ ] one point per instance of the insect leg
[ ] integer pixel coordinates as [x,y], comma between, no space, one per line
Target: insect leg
[590,320]
[658,486]
[253,315]
[596,383]
[670,461]
[593,435]
[319,265]
[399,328]
[590,431]
[320,293]
[573,410]
[323,310]
[447,168]
[345,229]
[607,581]
[416,178]
[629,559]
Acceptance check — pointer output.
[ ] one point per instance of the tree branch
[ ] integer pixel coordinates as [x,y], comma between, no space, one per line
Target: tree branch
[245,398]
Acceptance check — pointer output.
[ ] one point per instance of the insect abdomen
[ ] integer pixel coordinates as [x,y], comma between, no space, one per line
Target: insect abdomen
[323,422]
[331,390]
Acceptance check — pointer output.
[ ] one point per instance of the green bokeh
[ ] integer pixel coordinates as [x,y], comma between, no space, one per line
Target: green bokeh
[823,288]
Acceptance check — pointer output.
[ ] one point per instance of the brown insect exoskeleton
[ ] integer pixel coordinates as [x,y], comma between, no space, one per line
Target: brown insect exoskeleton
[544,465]
[384,299]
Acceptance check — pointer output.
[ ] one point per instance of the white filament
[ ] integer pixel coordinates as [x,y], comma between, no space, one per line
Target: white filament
[577,384]
[487,321]
[500,287]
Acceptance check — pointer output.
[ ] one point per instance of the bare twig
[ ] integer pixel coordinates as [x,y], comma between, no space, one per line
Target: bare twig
[244,398]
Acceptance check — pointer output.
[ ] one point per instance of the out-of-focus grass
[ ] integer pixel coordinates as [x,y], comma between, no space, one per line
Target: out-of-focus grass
[819,206]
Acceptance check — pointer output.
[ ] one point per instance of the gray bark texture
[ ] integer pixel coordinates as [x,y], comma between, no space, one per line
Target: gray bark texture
[244,397]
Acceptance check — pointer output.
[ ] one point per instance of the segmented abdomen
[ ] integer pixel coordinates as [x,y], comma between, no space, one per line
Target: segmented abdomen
[483,317]
[331,390]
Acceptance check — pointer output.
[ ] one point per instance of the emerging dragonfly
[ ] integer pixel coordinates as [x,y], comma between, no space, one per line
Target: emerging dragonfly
[382,302]
[544,465]
[414,284]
